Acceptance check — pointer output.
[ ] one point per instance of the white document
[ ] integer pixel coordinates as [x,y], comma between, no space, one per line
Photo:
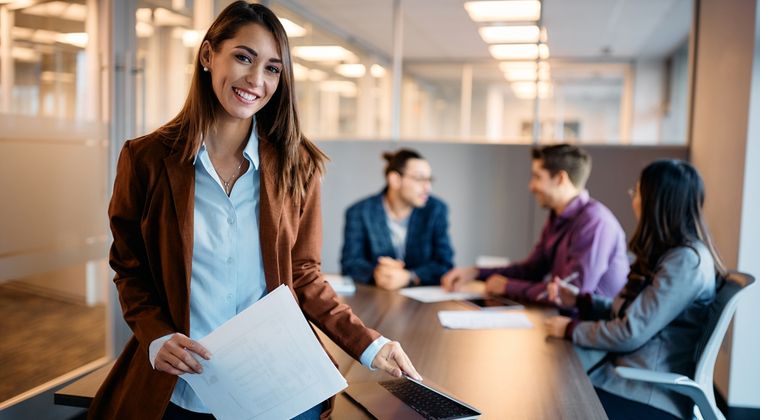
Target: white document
[489,261]
[265,363]
[343,285]
[483,320]
[429,294]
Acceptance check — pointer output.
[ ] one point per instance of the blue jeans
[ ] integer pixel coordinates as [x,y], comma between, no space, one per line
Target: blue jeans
[310,414]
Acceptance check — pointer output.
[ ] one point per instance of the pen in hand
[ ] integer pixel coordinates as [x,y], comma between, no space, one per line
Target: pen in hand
[562,282]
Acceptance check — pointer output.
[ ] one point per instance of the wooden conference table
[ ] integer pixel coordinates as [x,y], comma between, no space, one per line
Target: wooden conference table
[506,374]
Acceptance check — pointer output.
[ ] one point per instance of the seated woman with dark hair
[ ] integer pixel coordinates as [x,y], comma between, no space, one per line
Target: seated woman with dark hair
[656,321]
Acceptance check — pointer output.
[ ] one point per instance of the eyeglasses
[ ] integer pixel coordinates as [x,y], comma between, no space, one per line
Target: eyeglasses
[420,179]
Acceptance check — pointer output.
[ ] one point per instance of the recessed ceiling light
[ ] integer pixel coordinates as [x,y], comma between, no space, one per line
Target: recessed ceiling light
[510,34]
[77,39]
[528,90]
[377,70]
[504,11]
[325,53]
[60,9]
[342,87]
[351,70]
[293,29]
[525,70]
[519,51]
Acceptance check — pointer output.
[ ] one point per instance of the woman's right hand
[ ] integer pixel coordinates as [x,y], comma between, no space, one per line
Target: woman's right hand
[458,277]
[176,355]
[562,294]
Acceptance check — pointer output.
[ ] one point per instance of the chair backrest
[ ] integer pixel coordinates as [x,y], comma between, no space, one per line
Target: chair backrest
[720,313]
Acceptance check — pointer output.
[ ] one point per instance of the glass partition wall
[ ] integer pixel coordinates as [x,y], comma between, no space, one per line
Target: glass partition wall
[494,71]
[53,230]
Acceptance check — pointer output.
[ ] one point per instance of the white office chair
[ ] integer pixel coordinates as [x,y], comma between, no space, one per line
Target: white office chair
[700,389]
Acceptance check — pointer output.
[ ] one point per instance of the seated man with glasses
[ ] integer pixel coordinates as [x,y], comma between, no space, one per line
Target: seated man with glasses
[582,244]
[398,237]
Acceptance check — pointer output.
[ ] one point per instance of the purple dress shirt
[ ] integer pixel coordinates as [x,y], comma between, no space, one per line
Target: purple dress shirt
[585,238]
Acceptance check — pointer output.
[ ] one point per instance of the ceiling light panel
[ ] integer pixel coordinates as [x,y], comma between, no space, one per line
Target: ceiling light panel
[60,9]
[324,53]
[519,51]
[528,90]
[377,70]
[293,29]
[352,71]
[504,11]
[510,34]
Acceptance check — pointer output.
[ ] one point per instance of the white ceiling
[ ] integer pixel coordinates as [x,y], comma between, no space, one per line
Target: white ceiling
[441,30]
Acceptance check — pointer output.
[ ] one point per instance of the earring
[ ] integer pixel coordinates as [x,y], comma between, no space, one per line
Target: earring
[205,68]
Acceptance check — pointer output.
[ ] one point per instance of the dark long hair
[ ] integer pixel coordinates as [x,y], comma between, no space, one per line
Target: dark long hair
[672,195]
[298,159]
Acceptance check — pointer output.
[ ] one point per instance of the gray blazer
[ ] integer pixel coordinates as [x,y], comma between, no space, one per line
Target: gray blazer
[659,331]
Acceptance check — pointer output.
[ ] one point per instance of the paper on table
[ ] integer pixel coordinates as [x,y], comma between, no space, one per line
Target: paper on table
[483,320]
[429,294]
[343,285]
[265,363]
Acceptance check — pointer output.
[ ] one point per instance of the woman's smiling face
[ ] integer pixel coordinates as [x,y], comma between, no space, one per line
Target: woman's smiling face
[245,71]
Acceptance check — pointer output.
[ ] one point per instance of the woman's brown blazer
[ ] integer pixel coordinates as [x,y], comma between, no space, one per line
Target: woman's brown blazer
[151,217]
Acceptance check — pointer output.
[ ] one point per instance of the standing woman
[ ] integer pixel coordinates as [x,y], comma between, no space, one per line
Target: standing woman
[212,211]
[657,320]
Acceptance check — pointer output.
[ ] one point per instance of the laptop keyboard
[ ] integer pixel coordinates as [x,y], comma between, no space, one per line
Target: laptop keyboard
[429,404]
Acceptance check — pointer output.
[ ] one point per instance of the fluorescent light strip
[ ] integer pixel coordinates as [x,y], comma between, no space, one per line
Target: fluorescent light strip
[59,9]
[519,51]
[527,90]
[504,11]
[510,34]
[293,29]
[377,70]
[342,87]
[525,70]
[352,71]
[324,53]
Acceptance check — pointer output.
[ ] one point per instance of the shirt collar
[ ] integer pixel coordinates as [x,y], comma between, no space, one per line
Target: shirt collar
[250,152]
[575,205]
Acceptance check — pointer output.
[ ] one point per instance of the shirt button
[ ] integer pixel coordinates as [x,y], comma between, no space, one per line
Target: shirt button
[229,260]
[229,296]
[230,220]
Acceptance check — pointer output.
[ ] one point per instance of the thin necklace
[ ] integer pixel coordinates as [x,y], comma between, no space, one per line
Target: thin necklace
[227,185]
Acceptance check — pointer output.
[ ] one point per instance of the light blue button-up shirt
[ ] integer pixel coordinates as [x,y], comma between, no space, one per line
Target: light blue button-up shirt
[228,271]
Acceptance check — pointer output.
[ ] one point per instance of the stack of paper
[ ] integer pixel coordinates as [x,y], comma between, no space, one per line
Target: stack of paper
[430,294]
[483,320]
[265,363]
[489,261]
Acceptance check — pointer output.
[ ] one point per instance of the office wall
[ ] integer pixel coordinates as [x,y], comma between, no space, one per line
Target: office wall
[725,149]
[485,185]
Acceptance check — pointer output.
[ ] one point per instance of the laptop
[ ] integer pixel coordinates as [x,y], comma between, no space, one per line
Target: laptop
[404,398]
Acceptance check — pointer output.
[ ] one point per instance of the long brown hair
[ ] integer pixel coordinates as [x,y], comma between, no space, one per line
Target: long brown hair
[298,159]
[672,195]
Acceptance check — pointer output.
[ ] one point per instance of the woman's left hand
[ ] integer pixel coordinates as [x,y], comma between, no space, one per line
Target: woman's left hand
[556,326]
[392,359]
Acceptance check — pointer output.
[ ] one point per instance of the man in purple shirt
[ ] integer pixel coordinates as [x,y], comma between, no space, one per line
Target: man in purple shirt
[582,243]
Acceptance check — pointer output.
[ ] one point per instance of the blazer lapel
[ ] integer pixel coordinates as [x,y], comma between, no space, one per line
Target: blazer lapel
[270,212]
[182,181]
